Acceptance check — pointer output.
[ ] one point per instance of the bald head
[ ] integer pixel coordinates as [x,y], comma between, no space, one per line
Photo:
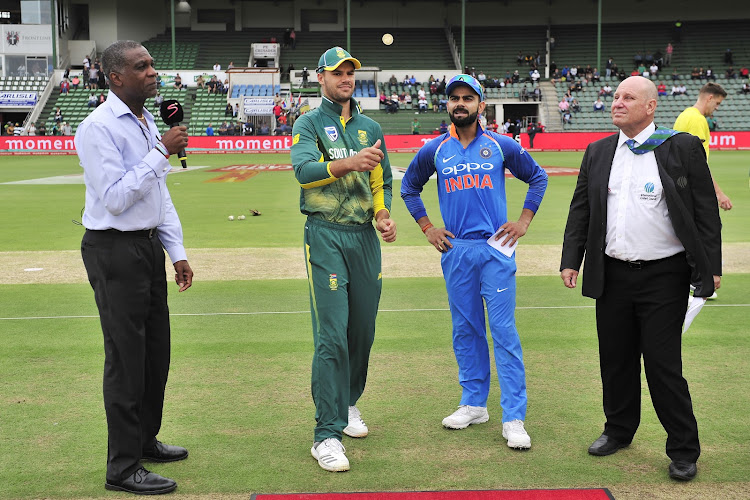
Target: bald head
[634,105]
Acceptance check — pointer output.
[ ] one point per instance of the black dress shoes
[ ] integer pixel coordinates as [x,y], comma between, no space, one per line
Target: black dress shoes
[161,452]
[605,445]
[143,482]
[683,471]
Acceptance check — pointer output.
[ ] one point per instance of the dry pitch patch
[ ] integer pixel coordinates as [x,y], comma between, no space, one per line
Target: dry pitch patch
[218,264]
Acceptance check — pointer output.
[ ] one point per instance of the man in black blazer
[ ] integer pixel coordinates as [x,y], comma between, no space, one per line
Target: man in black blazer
[644,213]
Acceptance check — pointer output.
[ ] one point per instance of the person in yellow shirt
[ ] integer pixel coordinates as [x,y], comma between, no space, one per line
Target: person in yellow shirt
[693,121]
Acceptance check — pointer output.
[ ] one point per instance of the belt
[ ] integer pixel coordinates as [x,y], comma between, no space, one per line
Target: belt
[143,233]
[640,264]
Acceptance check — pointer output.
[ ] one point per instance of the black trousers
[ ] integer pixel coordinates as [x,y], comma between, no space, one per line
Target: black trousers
[126,271]
[641,313]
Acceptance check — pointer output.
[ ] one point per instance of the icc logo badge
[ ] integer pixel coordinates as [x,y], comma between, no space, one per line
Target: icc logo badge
[333,282]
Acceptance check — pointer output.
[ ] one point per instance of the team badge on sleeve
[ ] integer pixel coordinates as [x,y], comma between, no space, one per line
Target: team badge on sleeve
[333,282]
[295,139]
[362,134]
[332,133]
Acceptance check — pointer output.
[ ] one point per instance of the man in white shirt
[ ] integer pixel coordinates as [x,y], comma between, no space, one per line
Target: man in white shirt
[644,213]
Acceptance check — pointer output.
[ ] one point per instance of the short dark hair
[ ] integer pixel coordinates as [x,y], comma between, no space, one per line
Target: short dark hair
[113,57]
[713,88]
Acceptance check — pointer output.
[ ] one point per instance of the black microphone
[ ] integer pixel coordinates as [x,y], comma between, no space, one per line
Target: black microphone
[171,113]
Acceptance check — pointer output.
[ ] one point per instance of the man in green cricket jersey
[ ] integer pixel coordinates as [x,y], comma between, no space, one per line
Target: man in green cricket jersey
[341,164]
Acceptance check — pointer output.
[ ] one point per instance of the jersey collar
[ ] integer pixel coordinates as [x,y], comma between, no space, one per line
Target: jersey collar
[334,109]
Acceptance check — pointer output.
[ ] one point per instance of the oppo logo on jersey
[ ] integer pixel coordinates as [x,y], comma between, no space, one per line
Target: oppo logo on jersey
[340,153]
[466,167]
[468,180]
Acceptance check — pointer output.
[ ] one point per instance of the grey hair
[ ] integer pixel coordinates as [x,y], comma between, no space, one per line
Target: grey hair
[113,57]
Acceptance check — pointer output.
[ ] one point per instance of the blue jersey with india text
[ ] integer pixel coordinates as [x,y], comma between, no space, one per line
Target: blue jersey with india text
[471,181]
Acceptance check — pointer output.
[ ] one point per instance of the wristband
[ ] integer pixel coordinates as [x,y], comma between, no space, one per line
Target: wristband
[426,227]
[162,149]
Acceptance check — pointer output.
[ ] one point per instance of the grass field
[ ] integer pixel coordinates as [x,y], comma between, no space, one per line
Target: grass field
[238,395]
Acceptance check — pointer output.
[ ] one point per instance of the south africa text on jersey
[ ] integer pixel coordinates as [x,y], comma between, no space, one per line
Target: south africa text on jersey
[340,153]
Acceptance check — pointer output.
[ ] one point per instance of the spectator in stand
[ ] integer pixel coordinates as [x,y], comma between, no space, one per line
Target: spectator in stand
[230,128]
[481,77]
[305,75]
[75,82]
[535,76]
[516,77]
[67,129]
[606,91]
[519,58]
[563,105]
[55,128]
[575,106]
[41,129]
[392,80]
[661,89]
[293,38]
[223,128]
[30,129]
[93,78]
[102,98]
[443,103]
[276,113]
[264,129]
[745,88]
[730,73]
[58,115]
[524,94]
[248,128]
[178,82]
[668,54]
[228,110]
[701,73]
[573,72]
[158,99]
[212,84]
[596,76]
[566,118]
[728,58]
[85,71]
[435,103]
[231,65]
[64,86]
[710,74]
[415,125]
[537,94]
[209,130]
[695,74]
[598,105]
[200,82]
[391,104]
[744,72]
[637,59]
[422,104]
[92,101]
[676,89]
[421,93]
[713,124]
[217,67]
[653,69]
[443,127]
[225,86]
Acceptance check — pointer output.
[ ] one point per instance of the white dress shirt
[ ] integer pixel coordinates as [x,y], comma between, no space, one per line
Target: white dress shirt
[125,176]
[638,223]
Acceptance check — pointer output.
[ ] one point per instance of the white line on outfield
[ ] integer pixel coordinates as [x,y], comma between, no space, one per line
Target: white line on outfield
[307,312]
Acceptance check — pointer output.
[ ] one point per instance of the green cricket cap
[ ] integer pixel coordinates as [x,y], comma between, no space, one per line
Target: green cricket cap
[332,59]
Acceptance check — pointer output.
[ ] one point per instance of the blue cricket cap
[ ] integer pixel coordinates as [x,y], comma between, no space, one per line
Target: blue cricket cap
[467,80]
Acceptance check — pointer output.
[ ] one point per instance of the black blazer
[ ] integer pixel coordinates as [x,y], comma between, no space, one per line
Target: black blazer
[691,201]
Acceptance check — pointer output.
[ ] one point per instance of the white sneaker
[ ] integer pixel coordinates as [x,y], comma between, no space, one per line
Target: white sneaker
[357,427]
[712,297]
[330,455]
[516,435]
[465,416]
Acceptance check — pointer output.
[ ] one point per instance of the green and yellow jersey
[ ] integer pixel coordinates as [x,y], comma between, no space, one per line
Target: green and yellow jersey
[693,122]
[322,136]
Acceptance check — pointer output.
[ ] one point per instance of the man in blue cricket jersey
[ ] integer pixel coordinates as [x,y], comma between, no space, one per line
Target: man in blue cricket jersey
[470,164]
